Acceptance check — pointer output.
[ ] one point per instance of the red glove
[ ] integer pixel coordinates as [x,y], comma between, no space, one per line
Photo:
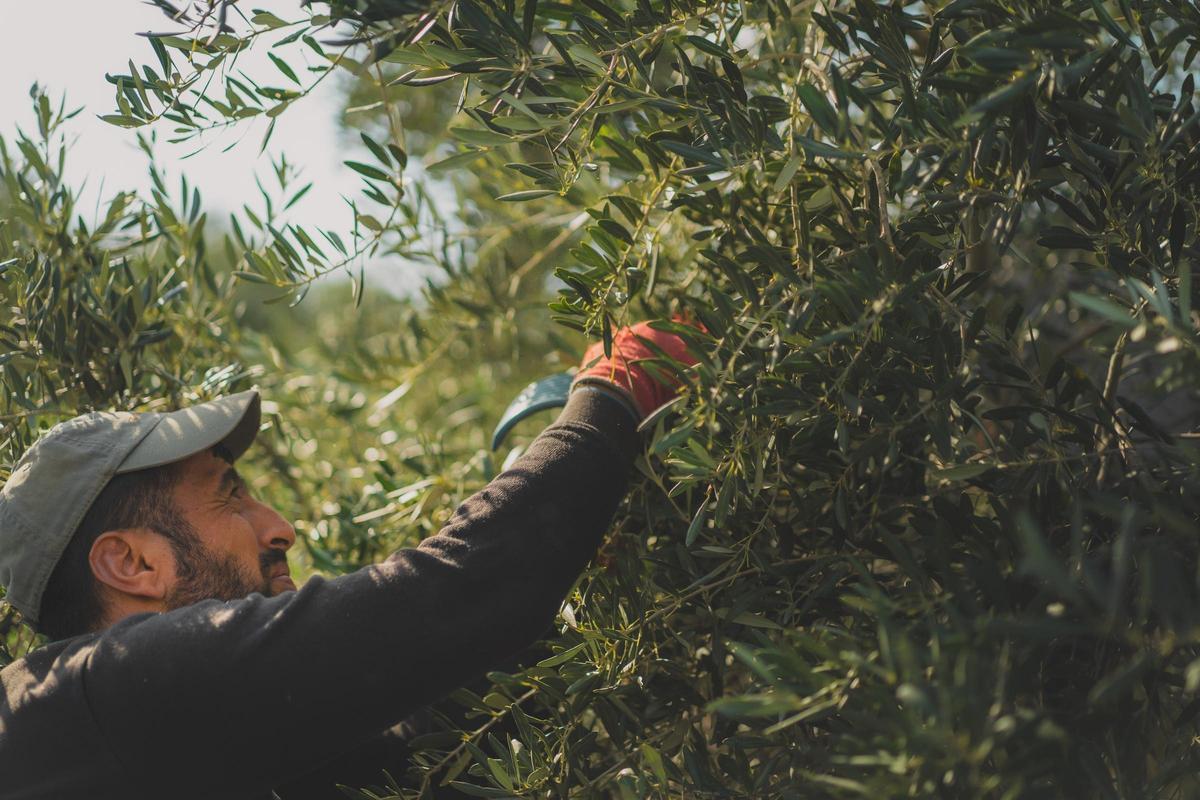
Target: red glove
[648,387]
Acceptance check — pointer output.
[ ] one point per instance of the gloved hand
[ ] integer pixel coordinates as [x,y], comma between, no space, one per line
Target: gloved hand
[645,387]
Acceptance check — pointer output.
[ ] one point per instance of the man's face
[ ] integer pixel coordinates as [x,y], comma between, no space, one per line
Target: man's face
[238,545]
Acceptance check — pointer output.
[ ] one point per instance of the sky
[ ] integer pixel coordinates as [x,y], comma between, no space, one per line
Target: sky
[69,45]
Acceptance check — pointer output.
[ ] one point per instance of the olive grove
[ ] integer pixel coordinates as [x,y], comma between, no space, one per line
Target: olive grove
[924,522]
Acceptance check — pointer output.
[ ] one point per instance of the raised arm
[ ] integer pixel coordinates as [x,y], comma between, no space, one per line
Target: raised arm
[244,694]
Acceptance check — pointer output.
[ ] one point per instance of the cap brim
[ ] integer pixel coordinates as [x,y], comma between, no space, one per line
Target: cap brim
[230,421]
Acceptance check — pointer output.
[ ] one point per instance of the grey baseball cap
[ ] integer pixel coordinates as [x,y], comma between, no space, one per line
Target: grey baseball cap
[58,478]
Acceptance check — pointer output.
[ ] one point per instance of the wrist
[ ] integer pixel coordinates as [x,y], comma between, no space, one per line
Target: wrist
[607,388]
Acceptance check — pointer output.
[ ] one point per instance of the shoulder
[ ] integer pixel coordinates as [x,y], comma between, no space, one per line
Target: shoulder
[52,670]
[43,673]
[43,711]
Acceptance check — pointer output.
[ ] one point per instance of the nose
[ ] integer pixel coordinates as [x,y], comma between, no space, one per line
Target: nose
[274,532]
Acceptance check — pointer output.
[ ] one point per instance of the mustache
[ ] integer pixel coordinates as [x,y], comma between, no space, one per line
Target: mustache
[268,560]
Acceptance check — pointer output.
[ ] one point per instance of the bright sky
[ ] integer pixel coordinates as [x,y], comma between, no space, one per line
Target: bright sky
[69,45]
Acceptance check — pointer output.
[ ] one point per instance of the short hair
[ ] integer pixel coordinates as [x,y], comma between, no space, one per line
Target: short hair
[72,604]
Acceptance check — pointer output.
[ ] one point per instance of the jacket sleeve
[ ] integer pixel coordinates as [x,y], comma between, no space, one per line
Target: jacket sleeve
[244,694]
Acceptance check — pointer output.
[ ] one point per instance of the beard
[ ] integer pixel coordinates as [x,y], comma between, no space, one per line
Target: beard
[202,574]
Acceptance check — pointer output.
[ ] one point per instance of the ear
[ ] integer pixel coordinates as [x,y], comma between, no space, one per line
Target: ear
[134,562]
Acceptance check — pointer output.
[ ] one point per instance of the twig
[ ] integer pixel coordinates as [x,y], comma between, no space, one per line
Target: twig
[885,226]
[475,734]
[537,258]
[1111,381]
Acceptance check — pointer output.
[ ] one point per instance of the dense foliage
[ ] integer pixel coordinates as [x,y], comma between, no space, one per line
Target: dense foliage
[925,522]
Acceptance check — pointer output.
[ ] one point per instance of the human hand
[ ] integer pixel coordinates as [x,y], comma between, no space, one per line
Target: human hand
[645,386]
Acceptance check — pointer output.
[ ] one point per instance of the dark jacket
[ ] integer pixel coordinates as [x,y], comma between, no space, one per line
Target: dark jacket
[234,699]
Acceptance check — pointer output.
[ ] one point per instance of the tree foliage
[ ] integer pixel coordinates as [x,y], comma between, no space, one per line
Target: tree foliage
[924,523]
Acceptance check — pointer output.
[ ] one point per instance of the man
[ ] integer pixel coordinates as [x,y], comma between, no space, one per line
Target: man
[186,664]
